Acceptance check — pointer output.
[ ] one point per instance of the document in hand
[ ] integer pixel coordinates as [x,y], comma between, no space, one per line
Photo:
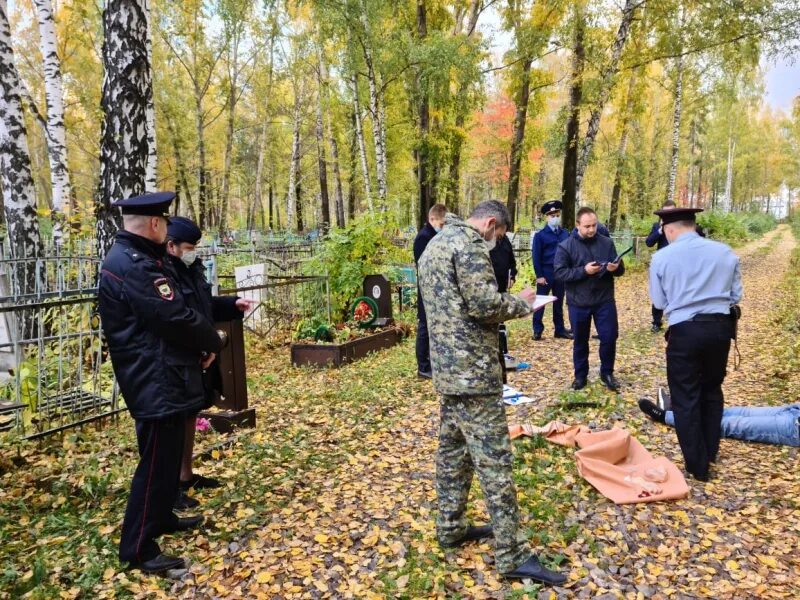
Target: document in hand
[542,301]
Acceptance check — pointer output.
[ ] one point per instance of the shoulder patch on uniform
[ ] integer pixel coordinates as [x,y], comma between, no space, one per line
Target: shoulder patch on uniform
[164,288]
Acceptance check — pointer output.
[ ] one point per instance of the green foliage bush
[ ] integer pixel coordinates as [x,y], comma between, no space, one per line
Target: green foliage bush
[362,248]
[735,227]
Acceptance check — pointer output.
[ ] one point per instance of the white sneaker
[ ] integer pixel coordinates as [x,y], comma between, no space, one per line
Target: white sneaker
[663,402]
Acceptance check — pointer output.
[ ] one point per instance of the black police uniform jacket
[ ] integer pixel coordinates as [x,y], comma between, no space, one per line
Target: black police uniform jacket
[155,340]
[196,292]
[572,255]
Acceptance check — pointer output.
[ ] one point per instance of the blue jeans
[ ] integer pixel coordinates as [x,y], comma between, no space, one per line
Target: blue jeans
[765,424]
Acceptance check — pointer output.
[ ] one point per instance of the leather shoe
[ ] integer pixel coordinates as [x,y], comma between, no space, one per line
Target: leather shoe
[184,501]
[656,328]
[610,382]
[578,384]
[473,533]
[187,523]
[533,569]
[564,335]
[162,562]
[595,337]
[200,482]
[651,410]
[537,335]
[424,375]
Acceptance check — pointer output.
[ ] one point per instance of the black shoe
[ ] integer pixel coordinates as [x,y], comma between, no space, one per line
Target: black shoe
[199,482]
[564,335]
[188,523]
[663,400]
[184,501]
[656,327]
[578,384]
[595,337]
[473,533]
[701,477]
[537,335]
[162,562]
[651,410]
[424,375]
[610,382]
[533,569]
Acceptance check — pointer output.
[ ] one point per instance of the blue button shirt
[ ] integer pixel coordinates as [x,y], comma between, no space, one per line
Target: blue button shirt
[694,276]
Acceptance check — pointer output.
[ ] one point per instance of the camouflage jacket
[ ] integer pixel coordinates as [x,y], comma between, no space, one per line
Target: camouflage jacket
[464,308]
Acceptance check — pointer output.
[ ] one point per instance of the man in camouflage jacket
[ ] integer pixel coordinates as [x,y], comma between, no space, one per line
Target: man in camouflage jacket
[464,307]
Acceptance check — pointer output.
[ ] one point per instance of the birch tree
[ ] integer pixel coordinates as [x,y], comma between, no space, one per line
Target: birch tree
[54,127]
[151,174]
[19,193]
[127,88]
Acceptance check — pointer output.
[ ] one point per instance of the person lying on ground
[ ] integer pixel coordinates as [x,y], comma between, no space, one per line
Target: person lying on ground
[764,424]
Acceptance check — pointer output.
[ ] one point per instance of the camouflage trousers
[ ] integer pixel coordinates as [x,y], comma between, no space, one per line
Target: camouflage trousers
[473,436]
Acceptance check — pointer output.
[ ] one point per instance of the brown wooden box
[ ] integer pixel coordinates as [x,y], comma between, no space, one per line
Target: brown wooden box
[336,355]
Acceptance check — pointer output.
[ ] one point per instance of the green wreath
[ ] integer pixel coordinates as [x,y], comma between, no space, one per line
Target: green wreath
[358,314]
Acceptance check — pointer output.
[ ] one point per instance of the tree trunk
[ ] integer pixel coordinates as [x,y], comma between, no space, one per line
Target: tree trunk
[727,203]
[606,84]
[292,199]
[376,107]
[424,171]
[351,177]
[202,191]
[182,190]
[339,196]
[676,131]
[233,39]
[19,193]
[127,88]
[252,209]
[692,149]
[322,162]
[151,174]
[518,138]
[569,181]
[621,152]
[362,147]
[55,128]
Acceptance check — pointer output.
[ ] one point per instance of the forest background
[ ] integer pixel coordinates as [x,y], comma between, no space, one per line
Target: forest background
[302,115]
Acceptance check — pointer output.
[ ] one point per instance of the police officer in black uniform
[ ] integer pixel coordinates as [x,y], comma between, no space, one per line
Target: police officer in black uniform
[183,236]
[156,343]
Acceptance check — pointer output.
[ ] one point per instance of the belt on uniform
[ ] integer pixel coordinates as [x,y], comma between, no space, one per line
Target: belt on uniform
[711,317]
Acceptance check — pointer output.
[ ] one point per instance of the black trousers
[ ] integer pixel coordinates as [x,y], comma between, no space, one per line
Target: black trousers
[423,346]
[697,358]
[154,487]
[658,315]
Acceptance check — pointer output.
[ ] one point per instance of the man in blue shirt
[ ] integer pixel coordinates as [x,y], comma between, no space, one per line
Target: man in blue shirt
[696,282]
[543,251]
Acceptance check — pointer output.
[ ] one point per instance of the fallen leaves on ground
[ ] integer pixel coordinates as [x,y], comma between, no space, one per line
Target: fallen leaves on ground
[332,496]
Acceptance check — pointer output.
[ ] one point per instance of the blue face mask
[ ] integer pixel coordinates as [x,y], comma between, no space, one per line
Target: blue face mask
[436,229]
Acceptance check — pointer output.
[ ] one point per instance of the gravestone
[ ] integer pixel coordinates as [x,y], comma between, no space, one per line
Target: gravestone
[379,289]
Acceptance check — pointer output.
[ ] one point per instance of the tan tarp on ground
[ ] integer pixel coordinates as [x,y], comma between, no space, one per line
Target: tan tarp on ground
[614,462]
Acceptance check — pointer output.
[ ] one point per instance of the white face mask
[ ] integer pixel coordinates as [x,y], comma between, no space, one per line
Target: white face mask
[436,229]
[554,221]
[188,257]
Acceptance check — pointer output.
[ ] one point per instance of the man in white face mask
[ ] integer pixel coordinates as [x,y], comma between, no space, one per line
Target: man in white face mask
[182,239]
[543,251]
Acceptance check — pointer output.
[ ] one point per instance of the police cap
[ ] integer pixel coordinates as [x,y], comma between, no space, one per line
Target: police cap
[675,213]
[182,229]
[549,207]
[155,204]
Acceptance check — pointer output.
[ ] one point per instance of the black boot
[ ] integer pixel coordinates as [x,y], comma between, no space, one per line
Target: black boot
[162,562]
[651,410]
[473,533]
[533,569]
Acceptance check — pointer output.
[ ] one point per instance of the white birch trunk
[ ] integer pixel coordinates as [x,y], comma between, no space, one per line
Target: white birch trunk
[257,200]
[362,147]
[605,90]
[127,88]
[19,193]
[676,131]
[151,175]
[54,96]
[727,201]
[378,114]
